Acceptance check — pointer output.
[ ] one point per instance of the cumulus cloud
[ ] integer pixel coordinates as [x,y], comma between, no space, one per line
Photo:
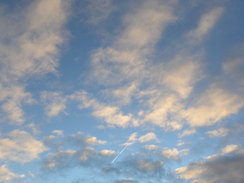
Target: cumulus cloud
[20,146]
[6,175]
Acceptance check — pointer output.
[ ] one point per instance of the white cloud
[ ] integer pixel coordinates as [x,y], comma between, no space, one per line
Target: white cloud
[13,97]
[174,153]
[187,132]
[107,152]
[124,94]
[173,126]
[160,110]
[94,141]
[126,57]
[182,73]
[113,116]
[33,36]
[151,147]
[55,103]
[20,147]
[6,174]
[171,153]
[142,139]
[57,132]
[213,105]
[148,137]
[221,132]
[229,149]
[182,143]
[110,114]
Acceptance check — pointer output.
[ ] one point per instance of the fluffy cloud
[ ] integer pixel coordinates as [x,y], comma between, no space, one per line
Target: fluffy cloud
[6,175]
[20,146]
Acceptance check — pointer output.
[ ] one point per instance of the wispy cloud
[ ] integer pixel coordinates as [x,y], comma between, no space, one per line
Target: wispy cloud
[30,50]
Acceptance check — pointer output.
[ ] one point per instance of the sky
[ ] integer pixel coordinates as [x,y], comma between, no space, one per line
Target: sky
[131,91]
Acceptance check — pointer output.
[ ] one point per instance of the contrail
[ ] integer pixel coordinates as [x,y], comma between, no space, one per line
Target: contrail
[119,154]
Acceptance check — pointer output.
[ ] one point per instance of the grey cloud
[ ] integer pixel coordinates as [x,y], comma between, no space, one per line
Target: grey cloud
[224,169]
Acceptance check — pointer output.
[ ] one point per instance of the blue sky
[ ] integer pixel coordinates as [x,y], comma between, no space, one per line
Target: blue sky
[162,80]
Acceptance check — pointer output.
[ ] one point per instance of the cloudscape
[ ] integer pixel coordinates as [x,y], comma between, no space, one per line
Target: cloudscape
[132,91]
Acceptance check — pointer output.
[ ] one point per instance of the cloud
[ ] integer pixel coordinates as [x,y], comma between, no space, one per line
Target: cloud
[110,114]
[221,132]
[160,109]
[206,23]
[212,106]
[148,137]
[182,73]
[151,147]
[187,132]
[13,97]
[182,143]
[20,146]
[174,153]
[124,94]
[229,149]
[57,132]
[220,168]
[94,141]
[6,175]
[126,57]
[29,49]
[55,103]
[107,152]
[113,116]
[142,139]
